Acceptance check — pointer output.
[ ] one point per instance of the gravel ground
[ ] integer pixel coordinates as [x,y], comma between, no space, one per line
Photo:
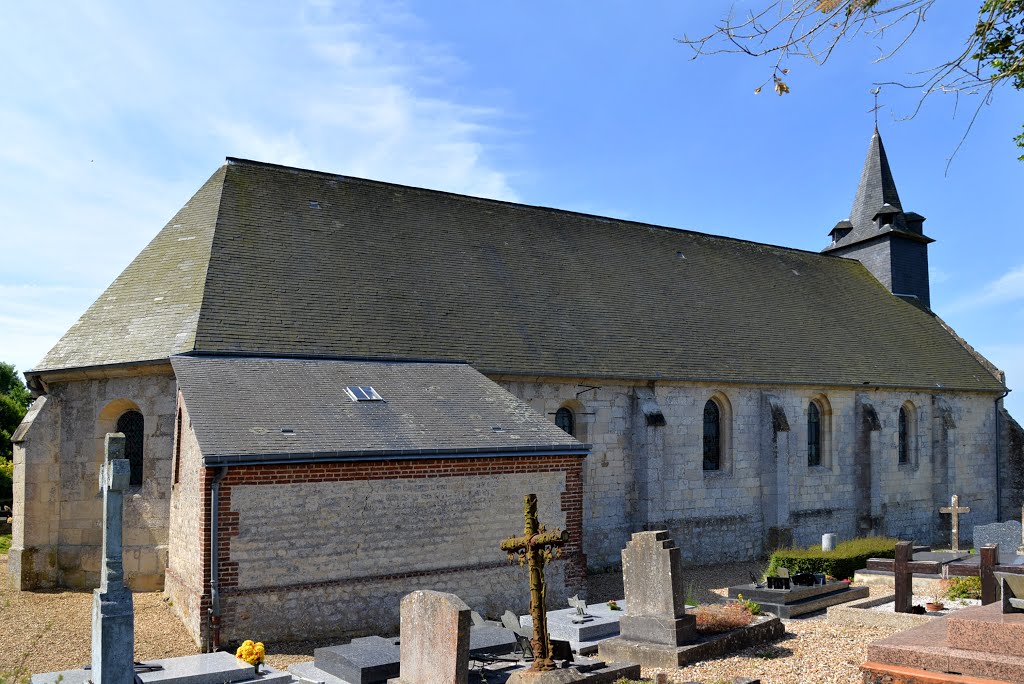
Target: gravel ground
[43,632]
[48,631]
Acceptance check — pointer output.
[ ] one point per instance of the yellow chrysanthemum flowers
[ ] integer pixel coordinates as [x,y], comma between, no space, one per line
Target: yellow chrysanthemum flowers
[252,653]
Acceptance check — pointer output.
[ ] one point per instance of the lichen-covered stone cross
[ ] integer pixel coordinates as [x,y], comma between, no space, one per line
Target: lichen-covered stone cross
[535,548]
[955,509]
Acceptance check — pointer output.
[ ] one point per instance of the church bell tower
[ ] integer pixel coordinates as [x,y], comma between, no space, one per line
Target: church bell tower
[889,242]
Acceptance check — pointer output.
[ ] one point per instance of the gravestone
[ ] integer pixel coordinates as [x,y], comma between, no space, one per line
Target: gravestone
[904,578]
[113,619]
[434,639]
[656,623]
[1005,535]
[955,509]
[828,542]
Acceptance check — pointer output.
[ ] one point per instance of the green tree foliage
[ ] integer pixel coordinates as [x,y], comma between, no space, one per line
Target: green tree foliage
[991,56]
[14,401]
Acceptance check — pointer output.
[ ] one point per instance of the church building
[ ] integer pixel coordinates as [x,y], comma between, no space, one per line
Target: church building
[336,390]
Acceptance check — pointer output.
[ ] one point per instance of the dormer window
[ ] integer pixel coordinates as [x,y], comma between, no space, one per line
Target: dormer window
[841,230]
[886,215]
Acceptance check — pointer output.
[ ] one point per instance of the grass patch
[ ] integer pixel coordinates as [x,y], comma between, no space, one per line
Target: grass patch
[5,543]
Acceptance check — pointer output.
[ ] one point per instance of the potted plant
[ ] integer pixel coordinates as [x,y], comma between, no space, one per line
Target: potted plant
[941,591]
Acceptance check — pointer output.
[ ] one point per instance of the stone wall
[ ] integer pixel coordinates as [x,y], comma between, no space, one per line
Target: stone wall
[188,554]
[1011,447]
[316,550]
[641,476]
[61,450]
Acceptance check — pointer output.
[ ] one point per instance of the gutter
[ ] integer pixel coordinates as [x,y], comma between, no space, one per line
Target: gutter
[214,560]
[225,460]
[999,479]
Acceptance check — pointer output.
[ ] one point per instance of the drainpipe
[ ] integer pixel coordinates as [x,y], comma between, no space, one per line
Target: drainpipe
[214,560]
[999,482]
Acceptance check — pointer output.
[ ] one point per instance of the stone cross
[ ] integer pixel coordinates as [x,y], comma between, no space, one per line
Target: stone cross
[113,624]
[535,548]
[955,509]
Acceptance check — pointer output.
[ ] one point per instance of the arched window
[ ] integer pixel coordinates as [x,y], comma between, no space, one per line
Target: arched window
[906,433]
[131,424]
[177,449]
[813,434]
[712,436]
[565,419]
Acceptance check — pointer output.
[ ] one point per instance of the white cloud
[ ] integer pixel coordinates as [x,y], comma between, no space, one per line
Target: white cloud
[1007,288]
[113,114]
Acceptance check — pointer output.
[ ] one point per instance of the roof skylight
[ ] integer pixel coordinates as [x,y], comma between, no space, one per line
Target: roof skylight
[363,394]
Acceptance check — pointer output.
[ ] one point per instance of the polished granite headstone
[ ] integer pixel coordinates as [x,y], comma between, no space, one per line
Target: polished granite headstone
[367,660]
[979,641]
[788,603]
[1005,535]
[207,668]
[599,623]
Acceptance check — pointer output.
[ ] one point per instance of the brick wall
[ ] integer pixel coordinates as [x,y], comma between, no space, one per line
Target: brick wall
[312,550]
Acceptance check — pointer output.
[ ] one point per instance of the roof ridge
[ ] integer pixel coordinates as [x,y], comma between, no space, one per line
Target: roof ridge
[523,205]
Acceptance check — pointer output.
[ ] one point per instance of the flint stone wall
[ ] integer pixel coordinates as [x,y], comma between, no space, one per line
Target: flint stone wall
[309,558]
[187,540]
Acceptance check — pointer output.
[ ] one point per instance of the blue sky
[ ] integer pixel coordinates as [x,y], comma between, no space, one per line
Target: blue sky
[115,113]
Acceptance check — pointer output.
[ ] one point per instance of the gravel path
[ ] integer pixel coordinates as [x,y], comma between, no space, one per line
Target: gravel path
[43,632]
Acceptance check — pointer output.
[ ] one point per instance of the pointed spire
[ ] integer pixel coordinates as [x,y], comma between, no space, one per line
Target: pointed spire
[877,187]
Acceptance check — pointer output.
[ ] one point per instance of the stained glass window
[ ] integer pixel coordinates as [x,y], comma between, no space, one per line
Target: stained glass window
[566,420]
[712,436]
[813,435]
[132,424]
[904,436]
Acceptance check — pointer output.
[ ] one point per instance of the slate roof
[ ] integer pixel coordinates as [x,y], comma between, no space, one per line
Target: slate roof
[877,194]
[427,409]
[379,270]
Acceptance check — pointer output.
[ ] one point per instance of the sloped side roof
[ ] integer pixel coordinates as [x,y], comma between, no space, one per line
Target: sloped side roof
[151,309]
[381,270]
[306,263]
[427,408]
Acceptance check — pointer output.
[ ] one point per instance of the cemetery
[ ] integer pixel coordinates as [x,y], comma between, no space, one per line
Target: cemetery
[649,631]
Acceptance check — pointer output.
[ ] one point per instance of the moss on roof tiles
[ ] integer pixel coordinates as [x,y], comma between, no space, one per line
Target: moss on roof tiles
[150,311]
[387,271]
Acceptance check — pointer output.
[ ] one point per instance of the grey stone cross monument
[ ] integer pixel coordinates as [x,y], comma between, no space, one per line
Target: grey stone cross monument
[955,510]
[113,623]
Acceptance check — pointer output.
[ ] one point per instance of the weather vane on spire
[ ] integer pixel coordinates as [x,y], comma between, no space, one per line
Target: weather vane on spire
[875,91]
